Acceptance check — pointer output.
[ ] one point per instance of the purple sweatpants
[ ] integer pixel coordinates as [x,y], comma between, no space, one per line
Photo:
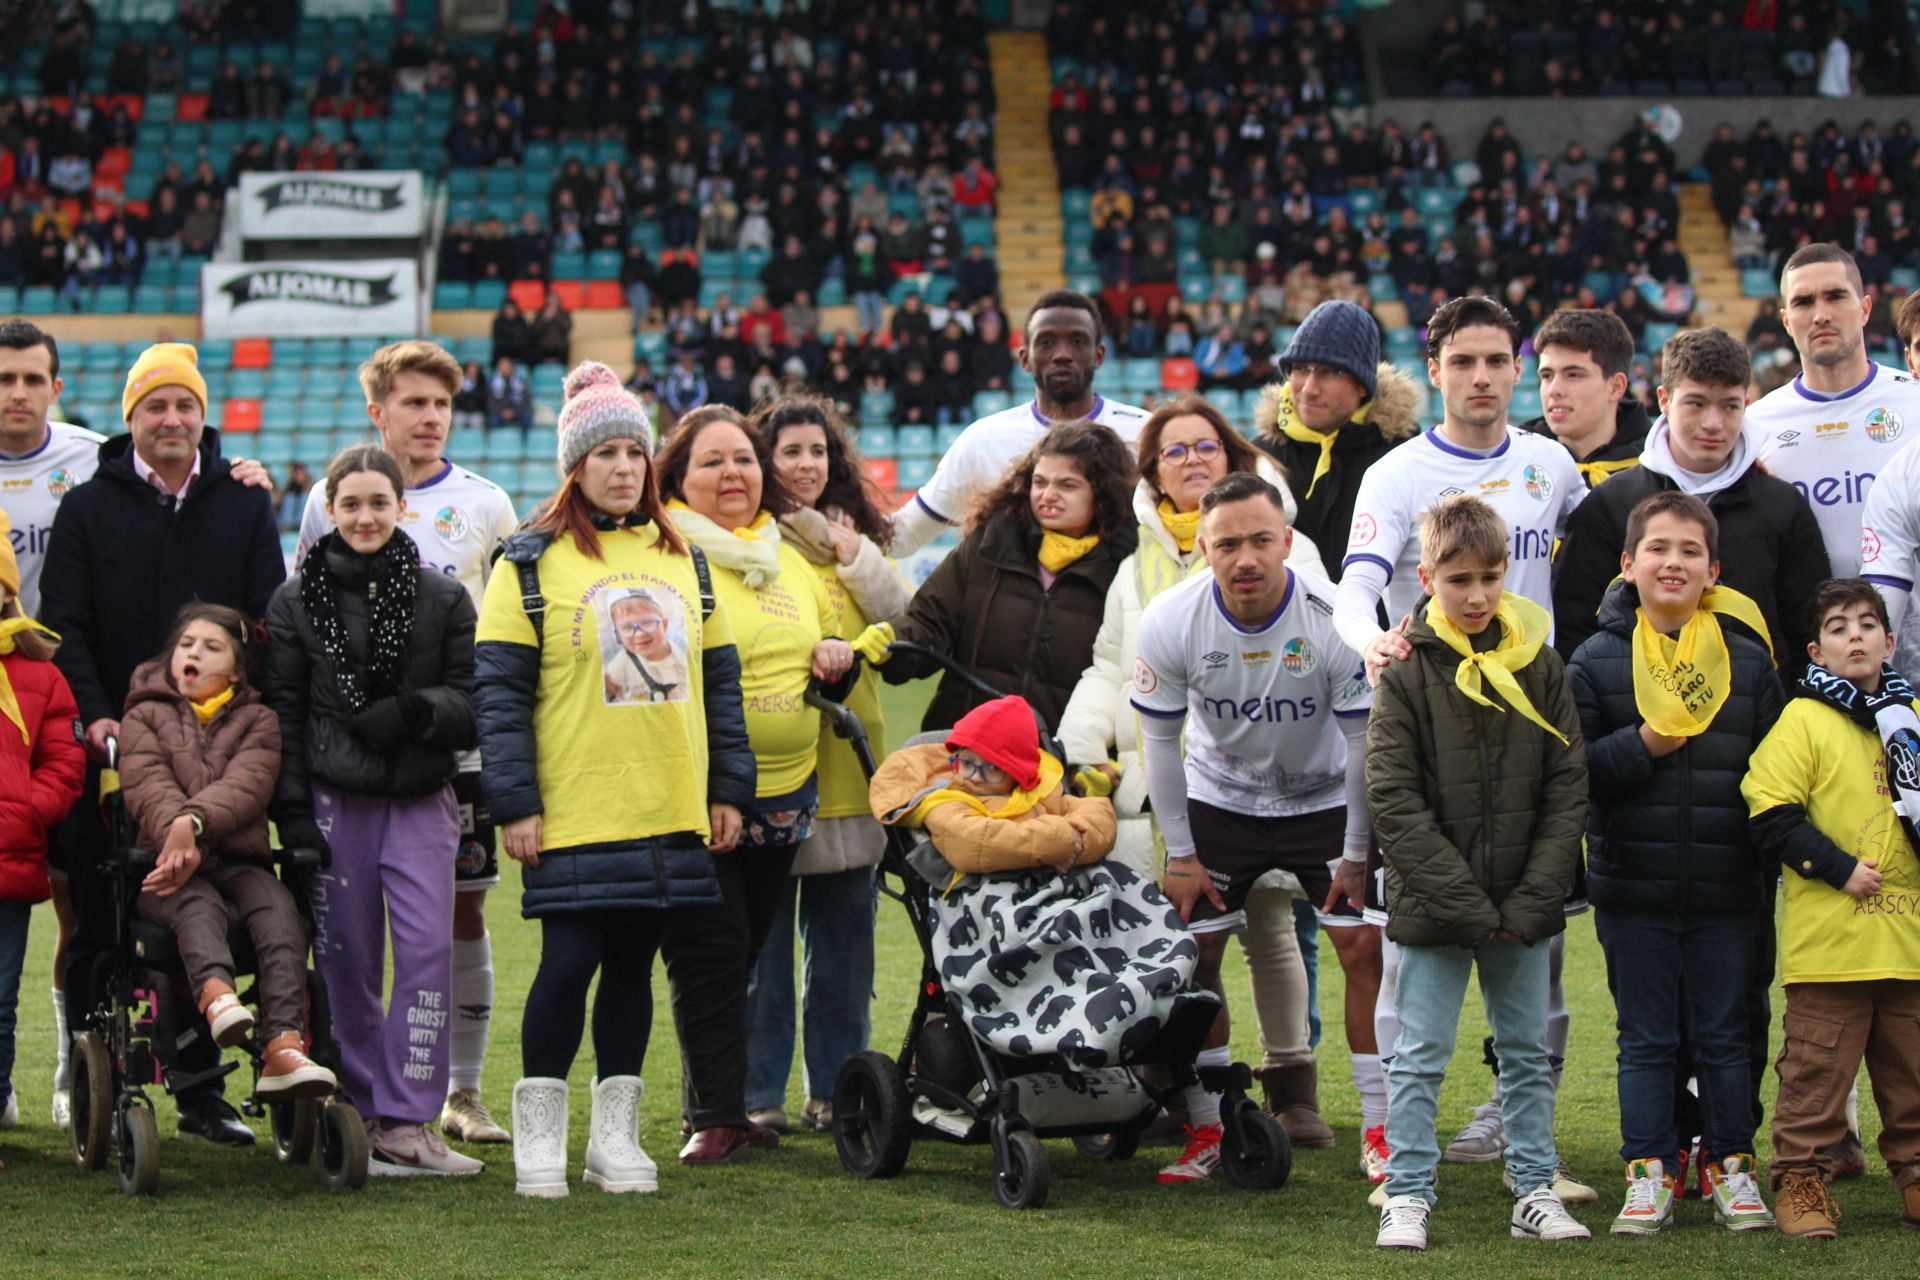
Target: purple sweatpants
[392,869]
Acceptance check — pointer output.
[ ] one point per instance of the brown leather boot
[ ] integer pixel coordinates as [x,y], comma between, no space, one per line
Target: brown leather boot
[227,1018]
[286,1072]
[1293,1096]
[1803,1209]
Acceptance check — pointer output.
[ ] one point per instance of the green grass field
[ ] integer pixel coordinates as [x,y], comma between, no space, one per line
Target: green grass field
[794,1212]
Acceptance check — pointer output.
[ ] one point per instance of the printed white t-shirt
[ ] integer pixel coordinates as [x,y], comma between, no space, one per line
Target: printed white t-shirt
[984,451]
[1260,702]
[1830,448]
[31,486]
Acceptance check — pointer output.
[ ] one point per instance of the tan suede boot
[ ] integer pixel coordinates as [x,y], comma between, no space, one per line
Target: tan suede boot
[1293,1096]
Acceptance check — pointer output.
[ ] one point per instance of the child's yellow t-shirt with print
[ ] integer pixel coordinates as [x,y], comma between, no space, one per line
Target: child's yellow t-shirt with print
[1837,771]
[619,721]
[775,629]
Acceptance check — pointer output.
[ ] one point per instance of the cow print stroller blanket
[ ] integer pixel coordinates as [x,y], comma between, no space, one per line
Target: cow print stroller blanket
[1088,965]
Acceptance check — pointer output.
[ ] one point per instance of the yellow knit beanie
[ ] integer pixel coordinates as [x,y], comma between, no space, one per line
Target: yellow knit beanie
[164,364]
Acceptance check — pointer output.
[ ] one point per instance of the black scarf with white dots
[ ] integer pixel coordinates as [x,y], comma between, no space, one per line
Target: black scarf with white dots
[390,577]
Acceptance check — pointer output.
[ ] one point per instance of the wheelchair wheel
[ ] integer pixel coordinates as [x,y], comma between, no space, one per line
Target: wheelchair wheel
[1118,1145]
[139,1152]
[872,1116]
[342,1147]
[1023,1178]
[293,1125]
[92,1102]
[1254,1151]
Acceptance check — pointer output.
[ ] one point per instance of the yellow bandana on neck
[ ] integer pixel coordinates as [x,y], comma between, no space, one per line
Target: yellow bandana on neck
[1288,422]
[1057,550]
[1016,805]
[1595,472]
[1680,684]
[1183,526]
[9,703]
[1523,629]
[207,710]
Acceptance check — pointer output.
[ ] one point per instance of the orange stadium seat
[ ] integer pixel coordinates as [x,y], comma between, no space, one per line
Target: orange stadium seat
[191,108]
[605,295]
[528,293]
[252,353]
[572,294]
[1179,374]
[882,473]
[242,416]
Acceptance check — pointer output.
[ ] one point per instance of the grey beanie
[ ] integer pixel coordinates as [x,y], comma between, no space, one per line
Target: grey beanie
[1340,334]
[597,409]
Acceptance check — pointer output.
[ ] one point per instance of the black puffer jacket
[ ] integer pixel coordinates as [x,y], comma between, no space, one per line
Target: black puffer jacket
[1669,836]
[401,746]
[985,607]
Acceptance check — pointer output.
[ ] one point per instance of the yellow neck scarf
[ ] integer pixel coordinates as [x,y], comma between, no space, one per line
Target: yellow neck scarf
[1680,684]
[1595,472]
[1057,550]
[1523,629]
[1184,526]
[1016,805]
[9,703]
[207,710]
[1287,422]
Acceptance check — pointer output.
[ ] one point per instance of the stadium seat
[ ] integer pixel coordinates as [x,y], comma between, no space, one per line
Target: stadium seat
[530,294]
[489,294]
[215,353]
[876,441]
[915,472]
[452,295]
[915,442]
[1656,335]
[882,473]
[241,416]
[571,292]
[602,264]
[605,295]
[1179,374]
[946,437]
[987,402]
[568,266]
[248,384]
[37,300]
[1757,282]
[281,416]
[252,353]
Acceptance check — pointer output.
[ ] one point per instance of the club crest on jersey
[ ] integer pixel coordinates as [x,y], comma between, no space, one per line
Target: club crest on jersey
[450,523]
[1539,483]
[59,480]
[1296,655]
[1883,426]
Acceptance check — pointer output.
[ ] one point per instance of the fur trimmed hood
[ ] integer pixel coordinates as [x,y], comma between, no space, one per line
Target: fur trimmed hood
[1396,408]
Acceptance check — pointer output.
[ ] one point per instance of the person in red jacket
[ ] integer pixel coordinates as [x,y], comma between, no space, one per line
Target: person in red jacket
[41,767]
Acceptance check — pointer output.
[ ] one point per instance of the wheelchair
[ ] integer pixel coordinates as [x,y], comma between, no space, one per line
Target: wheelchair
[143,1016]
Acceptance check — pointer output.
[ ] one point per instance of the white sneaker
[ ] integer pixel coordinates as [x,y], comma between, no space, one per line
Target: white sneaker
[1403,1223]
[1737,1203]
[1541,1216]
[10,1115]
[416,1151]
[62,1110]
[465,1118]
[1482,1141]
[615,1161]
[540,1137]
[1648,1208]
[1569,1188]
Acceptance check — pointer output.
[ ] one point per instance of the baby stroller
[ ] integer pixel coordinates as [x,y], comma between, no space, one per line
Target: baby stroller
[881,1104]
[143,1015]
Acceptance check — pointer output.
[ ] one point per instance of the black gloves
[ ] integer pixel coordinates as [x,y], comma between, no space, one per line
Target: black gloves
[304,833]
[387,723]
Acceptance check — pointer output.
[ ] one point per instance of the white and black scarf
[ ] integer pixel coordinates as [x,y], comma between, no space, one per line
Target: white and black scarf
[1888,713]
[392,586]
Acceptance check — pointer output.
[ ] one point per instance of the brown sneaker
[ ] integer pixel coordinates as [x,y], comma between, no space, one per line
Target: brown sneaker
[227,1018]
[1910,1205]
[1803,1208]
[1293,1096]
[286,1072]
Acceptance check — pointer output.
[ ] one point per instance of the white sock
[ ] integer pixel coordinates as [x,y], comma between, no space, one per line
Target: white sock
[62,1042]
[472,1010]
[1371,1082]
[1203,1107]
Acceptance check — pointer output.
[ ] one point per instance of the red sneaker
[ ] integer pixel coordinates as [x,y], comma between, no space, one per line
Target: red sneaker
[1199,1160]
[1373,1154]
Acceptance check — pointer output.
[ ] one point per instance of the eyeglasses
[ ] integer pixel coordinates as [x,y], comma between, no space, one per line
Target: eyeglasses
[978,770]
[644,627]
[1205,450]
[1304,369]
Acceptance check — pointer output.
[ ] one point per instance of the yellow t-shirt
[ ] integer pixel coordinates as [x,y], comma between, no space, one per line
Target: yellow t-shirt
[619,720]
[843,784]
[1818,759]
[775,629]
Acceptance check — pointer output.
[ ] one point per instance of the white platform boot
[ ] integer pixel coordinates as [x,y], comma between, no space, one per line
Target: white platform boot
[540,1137]
[615,1162]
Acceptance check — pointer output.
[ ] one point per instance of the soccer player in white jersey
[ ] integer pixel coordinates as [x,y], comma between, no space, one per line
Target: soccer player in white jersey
[456,517]
[1273,705]
[1062,350]
[1473,349]
[1837,425]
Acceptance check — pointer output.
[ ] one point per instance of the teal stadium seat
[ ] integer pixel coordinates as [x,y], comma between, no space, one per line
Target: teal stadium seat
[915,442]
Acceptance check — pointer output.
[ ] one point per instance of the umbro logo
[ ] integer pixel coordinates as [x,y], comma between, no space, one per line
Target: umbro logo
[1215,660]
[1452,491]
[1787,437]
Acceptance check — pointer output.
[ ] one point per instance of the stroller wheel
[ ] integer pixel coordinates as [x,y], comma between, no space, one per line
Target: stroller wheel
[1254,1151]
[342,1145]
[1022,1178]
[872,1116]
[1118,1145]
[139,1151]
[92,1102]
[293,1125]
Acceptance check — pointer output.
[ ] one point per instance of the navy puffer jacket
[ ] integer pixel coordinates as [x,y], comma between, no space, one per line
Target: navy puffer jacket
[1669,836]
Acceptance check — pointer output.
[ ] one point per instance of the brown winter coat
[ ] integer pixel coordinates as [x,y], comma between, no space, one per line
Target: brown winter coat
[976,844]
[223,773]
[1478,811]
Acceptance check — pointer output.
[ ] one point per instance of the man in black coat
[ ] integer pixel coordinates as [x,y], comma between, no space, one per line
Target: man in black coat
[1770,545]
[162,522]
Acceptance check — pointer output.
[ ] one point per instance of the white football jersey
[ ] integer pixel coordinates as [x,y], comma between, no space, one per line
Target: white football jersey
[1889,546]
[1530,479]
[1260,703]
[456,519]
[31,486]
[984,451]
[1830,448]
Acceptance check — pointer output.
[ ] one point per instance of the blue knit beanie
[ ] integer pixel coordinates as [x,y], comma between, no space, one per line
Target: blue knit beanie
[1340,334]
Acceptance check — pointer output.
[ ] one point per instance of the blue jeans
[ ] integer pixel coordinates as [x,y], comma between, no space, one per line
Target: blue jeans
[1646,956]
[1433,982]
[13,957]
[836,935]
[869,310]
[1306,923]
